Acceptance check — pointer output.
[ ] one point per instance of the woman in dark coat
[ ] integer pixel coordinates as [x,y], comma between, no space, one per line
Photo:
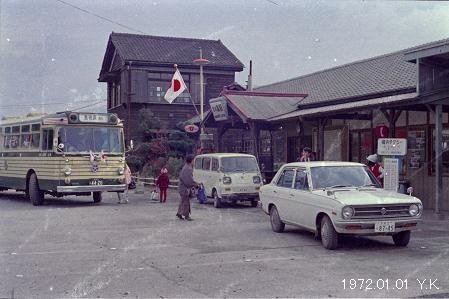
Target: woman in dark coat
[162,182]
[186,183]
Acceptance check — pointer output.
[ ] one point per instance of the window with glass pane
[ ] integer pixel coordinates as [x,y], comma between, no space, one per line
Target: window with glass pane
[47,139]
[444,149]
[301,182]
[198,163]
[286,178]
[214,164]
[158,88]
[206,164]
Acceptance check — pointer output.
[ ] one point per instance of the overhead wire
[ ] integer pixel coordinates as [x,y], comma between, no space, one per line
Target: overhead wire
[99,16]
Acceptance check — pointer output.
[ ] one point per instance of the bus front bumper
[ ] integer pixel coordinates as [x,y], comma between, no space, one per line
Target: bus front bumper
[91,188]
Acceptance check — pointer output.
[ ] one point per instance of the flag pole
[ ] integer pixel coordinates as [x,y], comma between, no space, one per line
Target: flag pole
[201,61]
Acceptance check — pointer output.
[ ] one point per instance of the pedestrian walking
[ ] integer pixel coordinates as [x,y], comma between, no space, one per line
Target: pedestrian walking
[186,183]
[123,196]
[162,182]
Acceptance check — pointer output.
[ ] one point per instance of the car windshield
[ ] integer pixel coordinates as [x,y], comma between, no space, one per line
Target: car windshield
[95,139]
[342,176]
[239,164]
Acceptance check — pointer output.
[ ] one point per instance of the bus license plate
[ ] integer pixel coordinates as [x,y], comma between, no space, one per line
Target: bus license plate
[96,182]
[384,226]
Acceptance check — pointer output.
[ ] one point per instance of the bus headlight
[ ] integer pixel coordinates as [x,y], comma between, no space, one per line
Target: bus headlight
[121,170]
[227,180]
[67,171]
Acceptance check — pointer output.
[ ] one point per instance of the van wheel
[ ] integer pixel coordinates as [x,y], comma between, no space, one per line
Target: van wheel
[36,196]
[217,200]
[97,197]
[401,239]
[276,223]
[329,236]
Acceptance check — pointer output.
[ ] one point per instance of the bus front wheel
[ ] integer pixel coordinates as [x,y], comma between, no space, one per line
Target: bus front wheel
[97,197]
[35,195]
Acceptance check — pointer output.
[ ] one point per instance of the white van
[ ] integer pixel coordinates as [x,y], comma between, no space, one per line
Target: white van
[229,177]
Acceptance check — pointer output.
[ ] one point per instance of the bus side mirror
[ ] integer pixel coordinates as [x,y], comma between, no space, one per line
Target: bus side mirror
[61,147]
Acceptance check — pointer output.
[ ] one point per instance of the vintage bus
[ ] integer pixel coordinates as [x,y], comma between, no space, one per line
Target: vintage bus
[67,153]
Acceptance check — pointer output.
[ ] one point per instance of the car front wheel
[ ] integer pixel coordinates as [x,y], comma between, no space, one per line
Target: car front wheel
[276,223]
[401,239]
[329,236]
[217,200]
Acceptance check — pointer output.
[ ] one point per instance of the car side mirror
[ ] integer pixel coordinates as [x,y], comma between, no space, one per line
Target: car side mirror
[410,191]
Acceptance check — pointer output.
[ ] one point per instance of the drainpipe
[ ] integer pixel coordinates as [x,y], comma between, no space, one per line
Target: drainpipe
[128,132]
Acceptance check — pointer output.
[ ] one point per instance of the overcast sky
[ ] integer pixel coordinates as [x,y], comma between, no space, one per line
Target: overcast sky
[51,53]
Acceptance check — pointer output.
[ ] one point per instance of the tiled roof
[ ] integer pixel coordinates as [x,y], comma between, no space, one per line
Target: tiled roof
[161,49]
[379,75]
[262,106]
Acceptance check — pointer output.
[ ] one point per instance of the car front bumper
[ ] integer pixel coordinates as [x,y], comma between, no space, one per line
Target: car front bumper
[366,227]
[91,188]
[240,196]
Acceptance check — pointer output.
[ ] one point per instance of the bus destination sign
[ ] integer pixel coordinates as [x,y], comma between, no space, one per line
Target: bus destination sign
[93,118]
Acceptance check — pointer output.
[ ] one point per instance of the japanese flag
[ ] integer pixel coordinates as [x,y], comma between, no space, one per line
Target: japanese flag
[176,88]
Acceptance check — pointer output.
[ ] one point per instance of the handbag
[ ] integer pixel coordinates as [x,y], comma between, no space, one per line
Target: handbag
[132,185]
[154,195]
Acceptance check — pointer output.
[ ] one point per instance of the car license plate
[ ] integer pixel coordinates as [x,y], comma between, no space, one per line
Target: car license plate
[243,190]
[384,226]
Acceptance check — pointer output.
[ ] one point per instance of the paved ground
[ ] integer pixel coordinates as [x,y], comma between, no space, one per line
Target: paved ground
[73,248]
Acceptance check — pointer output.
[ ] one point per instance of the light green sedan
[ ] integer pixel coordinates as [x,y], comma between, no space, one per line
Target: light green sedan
[333,198]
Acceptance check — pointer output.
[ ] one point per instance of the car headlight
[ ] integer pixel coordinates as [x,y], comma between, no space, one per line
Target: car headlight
[414,210]
[347,212]
[121,171]
[67,171]
[227,180]
[256,179]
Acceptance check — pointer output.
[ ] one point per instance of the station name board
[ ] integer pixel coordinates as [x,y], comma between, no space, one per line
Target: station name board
[392,146]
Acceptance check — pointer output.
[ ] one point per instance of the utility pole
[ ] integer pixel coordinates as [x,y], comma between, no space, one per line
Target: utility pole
[201,61]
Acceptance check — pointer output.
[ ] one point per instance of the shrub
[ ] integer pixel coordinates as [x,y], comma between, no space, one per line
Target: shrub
[135,162]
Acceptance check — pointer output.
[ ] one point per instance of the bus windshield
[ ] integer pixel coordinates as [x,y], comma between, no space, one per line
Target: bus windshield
[95,139]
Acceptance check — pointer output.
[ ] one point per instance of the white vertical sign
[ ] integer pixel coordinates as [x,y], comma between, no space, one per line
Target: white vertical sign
[391,174]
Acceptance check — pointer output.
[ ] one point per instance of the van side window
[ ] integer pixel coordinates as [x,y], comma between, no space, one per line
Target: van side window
[214,164]
[301,182]
[198,163]
[286,178]
[206,164]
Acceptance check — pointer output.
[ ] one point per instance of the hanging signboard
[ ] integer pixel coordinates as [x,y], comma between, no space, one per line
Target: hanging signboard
[219,109]
[392,146]
[191,128]
[391,174]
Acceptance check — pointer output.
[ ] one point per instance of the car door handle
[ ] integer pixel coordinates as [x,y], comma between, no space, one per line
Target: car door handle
[274,191]
[292,195]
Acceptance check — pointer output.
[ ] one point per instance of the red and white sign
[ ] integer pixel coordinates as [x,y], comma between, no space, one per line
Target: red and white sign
[176,88]
[382,132]
[191,128]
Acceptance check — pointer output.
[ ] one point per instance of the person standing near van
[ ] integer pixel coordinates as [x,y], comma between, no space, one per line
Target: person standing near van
[186,183]
[162,182]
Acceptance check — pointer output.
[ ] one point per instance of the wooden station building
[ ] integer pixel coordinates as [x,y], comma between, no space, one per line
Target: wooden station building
[341,112]
[138,70]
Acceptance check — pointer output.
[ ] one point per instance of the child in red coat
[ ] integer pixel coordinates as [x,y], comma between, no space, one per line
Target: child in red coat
[162,182]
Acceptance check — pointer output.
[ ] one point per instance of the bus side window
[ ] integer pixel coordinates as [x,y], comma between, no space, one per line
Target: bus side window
[47,139]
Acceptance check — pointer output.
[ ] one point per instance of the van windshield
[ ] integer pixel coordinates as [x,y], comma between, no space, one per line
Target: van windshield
[239,164]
